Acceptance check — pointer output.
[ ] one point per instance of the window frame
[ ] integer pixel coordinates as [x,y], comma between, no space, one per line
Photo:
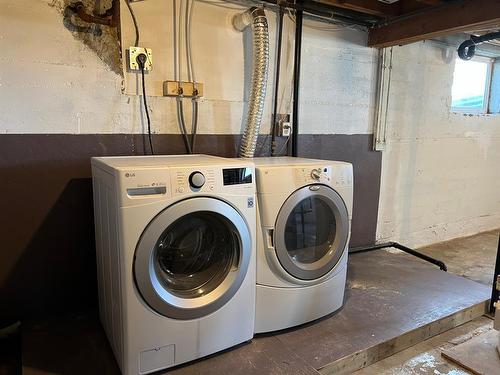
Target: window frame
[484,110]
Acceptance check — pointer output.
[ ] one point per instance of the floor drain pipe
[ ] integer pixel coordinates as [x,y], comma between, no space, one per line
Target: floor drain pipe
[364,249]
[255,17]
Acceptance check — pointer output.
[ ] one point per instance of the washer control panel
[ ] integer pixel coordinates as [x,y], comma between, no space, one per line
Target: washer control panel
[211,180]
[193,180]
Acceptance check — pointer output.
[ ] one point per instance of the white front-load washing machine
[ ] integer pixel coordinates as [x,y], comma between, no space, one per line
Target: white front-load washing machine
[175,256]
[303,229]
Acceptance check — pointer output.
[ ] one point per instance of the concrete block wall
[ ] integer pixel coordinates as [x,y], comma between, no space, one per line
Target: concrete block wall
[61,102]
[69,89]
[440,171]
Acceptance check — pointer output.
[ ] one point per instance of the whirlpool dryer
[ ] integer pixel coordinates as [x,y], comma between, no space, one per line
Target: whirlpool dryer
[175,256]
[303,229]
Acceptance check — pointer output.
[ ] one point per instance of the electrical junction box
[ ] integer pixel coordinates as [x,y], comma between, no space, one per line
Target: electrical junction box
[134,52]
[186,89]
[284,126]
[285,129]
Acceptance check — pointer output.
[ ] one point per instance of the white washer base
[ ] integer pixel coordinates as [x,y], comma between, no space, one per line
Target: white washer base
[280,308]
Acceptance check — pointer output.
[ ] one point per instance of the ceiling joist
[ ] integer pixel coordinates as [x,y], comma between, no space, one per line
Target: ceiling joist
[444,19]
[375,8]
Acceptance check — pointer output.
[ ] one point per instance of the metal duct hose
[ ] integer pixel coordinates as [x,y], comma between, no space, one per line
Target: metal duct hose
[257,18]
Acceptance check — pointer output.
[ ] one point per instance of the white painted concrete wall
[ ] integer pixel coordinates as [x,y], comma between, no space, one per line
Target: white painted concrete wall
[441,171]
[66,88]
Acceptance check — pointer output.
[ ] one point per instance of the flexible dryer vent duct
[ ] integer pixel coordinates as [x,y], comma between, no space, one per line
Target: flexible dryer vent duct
[257,18]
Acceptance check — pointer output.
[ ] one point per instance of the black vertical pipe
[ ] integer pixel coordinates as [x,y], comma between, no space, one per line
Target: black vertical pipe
[296,78]
[277,80]
[495,295]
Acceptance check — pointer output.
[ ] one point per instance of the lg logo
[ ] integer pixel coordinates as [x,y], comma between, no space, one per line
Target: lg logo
[129,174]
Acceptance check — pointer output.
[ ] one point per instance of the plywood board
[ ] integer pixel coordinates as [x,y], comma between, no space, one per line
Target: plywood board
[478,355]
[392,301]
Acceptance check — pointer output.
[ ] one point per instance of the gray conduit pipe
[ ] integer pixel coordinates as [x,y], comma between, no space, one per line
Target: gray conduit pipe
[255,17]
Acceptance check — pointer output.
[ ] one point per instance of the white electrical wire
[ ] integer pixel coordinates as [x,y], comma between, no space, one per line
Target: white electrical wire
[174,33]
[179,38]
[188,40]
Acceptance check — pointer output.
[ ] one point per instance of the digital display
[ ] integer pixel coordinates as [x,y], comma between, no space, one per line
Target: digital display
[236,176]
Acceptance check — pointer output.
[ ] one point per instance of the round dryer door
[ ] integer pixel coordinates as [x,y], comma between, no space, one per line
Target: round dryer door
[311,232]
[192,258]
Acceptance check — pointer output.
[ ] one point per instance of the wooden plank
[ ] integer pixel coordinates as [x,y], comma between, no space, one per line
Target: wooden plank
[265,355]
[366,357]
[437,21]
[407,6]
[393,301]
[375,8]
[478,355]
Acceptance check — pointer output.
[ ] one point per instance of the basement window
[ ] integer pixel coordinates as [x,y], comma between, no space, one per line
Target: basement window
[470,92]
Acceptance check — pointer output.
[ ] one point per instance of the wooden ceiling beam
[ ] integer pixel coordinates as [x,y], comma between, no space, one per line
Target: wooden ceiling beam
[441,20]
[407,6]
[375,8]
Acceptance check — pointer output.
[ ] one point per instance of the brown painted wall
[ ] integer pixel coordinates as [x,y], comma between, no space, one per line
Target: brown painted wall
[47,256]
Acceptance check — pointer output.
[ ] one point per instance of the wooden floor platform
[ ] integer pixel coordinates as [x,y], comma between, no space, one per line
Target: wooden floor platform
[393,301]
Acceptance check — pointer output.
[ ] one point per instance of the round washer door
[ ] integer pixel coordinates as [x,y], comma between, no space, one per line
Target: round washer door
[192,258]
[311,232]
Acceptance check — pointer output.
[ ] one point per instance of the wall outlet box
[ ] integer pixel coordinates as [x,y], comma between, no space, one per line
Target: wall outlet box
[134,52]
[283,125]
[285,129]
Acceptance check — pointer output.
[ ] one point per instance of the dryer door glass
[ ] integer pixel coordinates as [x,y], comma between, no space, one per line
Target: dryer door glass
[192,258]
[311,232]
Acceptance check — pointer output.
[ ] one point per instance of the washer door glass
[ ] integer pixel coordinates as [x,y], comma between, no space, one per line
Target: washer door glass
[192,258]
[311,232]
[195,254]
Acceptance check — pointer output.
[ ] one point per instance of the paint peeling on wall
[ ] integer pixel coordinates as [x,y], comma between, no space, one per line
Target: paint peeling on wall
[102,40]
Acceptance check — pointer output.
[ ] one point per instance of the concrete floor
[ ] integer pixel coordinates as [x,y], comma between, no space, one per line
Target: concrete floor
[472,257]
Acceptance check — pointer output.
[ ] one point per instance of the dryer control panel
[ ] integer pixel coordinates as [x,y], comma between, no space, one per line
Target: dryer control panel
[312,174]
[326,174]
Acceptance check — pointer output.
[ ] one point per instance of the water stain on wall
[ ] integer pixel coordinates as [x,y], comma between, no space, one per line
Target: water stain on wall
[104,41]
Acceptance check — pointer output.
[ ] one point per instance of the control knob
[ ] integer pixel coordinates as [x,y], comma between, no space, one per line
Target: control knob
[196,180]
[316,174]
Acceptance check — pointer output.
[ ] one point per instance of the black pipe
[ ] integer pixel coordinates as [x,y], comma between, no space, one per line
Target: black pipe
[362,249]
[322,10]
[277,80]
[467,49]
[296,79]
[495,294]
